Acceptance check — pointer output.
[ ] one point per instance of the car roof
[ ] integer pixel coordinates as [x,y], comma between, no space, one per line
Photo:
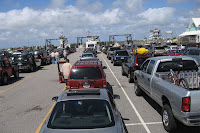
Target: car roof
[171,57]
[91,93]
[87,62]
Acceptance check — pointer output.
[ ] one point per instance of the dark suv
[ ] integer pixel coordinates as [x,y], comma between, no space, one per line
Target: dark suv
[132,63]
[42,57]
[25,62]
[87,74]
[119,56]
[7,70]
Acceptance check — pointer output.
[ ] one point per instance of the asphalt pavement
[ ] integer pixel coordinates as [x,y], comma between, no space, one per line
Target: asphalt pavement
[26,102]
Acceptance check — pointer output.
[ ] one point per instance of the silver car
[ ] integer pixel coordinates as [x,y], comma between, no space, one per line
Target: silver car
[87,56]
[84,111]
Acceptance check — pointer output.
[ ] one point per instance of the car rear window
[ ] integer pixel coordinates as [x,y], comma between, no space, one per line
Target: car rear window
[81,114]
[159,48]
[87,55]
[183,65]
[114,48]
[121,53]
[86,73]
[140,60]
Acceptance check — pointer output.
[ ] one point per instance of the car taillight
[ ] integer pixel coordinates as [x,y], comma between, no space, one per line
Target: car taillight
[68,85]
[115,58]
[104,83]
[60,80]
[154,51]
[42,57]
[186,104]
[131,68]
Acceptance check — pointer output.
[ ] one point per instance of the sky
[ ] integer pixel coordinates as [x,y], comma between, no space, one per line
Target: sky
[31,22]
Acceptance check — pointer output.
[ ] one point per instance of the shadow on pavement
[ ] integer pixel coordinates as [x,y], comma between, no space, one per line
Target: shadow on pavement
[181,127]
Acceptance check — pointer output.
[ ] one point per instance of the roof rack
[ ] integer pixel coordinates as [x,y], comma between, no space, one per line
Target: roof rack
[90,91]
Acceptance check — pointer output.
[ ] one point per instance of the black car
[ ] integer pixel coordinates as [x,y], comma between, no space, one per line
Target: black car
[42,57]
[131,64]
[26,62]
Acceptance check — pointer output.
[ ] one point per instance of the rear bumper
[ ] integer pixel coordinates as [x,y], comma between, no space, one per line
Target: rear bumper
[24,67]
[188,119]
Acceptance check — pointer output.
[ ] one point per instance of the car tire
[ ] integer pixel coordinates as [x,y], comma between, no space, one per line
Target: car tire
[130,79]
[4,79]
[122,70]
[138,90]
[169,122]
[16,74]
[31,69]
[114,64]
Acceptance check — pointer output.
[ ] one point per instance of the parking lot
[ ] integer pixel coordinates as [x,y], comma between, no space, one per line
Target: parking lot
[25,103]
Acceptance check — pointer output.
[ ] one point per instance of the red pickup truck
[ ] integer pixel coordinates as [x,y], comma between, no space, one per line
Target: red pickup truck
[7,70]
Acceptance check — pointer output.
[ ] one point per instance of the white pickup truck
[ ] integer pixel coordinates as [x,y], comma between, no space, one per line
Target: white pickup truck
[178,103]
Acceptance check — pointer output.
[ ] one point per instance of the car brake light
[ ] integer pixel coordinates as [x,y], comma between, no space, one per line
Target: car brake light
[104,83]
[154,51]
[186,104]
[42,57]
[60,80]
[68,84]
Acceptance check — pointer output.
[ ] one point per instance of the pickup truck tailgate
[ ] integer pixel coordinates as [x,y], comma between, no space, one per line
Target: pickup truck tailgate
[195,101]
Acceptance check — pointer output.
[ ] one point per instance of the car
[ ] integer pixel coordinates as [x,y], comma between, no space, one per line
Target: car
[42,57]
[26,62]
[88,56]
[131,64]
[7,69]
[157,50]
[173,53]
[119,56]
[193,52]
[90,50]
[84,111]
[111,50]
[87,74]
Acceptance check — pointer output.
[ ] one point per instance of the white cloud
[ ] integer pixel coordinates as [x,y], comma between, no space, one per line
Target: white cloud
[157,16]
[131,6]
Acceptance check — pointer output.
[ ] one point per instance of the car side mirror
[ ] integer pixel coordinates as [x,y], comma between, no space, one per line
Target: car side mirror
[116,96]
[104,67]
[55,98]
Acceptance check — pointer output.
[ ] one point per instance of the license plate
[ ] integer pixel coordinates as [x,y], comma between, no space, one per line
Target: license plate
[86,86]
[122,57]
[19,63]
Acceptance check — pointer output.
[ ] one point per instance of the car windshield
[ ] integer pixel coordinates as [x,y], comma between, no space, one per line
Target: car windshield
[90,45]
[81,114]
[114,48]
[86,73]
[121,53]
[177,51]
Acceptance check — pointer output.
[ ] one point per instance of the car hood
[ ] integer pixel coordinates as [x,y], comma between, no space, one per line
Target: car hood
[99,130]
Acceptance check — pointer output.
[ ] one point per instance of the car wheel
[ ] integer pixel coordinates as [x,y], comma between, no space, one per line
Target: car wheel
[138,91]
[16,74]
[168,119]
[130,79]
[31,69]
[111,60]
[122,70]
[114,64]
[5,79]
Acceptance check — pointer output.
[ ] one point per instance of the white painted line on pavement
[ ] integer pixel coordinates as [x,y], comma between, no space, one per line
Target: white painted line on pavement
[133,106]
[150,123]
